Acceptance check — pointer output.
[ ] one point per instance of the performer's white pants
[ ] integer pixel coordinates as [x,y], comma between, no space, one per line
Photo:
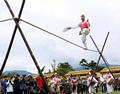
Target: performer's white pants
[92,90]
[109,88]
[84,33]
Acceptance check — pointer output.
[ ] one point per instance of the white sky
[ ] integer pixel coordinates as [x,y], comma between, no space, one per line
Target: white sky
[54,15]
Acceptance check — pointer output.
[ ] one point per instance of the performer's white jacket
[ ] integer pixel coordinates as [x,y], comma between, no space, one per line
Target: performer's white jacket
[92,87]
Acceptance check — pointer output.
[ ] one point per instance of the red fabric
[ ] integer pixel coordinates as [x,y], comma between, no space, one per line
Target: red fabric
[84,25]
[74,82]
[39,82]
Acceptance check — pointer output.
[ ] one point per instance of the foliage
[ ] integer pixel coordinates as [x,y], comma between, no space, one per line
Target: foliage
[63,68]
[91,65]
[3,76]
[84,63]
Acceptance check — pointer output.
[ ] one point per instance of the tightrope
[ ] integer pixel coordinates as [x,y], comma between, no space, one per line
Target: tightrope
[6,20]
[57,36]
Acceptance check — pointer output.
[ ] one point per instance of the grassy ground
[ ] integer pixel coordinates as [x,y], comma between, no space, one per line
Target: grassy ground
[115,92]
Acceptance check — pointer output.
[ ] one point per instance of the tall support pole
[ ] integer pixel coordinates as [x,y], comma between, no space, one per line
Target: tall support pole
[12,39]
[28,47]
[102,50]
[105,61]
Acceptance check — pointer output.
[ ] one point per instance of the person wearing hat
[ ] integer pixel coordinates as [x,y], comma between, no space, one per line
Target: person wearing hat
[109,80]
[92,82]
[84,26]
[55,84]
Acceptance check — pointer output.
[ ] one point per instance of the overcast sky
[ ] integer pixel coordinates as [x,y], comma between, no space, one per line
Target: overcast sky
[54,15]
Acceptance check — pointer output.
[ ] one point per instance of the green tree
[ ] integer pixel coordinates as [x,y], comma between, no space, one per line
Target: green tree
[91,65]
[63,68]
[84,63]
[3,76]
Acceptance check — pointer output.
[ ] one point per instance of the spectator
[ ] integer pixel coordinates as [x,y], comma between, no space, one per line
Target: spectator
[3,86]
[103,83]
[39,83]
[16,85]
[79,86]
[23,85]
[9,85]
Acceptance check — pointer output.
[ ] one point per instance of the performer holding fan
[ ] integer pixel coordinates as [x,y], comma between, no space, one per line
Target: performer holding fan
[84,26]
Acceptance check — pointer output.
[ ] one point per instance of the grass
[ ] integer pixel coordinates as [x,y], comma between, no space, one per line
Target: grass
[114,92]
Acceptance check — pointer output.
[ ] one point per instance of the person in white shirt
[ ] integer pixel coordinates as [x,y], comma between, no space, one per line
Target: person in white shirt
[9,85]
[103,84]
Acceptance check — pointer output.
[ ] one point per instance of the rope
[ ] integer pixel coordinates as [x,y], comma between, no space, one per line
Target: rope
[57,36]
[6,20]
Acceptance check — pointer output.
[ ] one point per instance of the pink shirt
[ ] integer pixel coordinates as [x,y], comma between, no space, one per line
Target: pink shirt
[56,80]
[108,75]
[84,24]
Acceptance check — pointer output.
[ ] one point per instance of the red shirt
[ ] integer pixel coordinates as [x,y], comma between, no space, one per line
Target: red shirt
[39,82]
[74,81]
[84,24]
